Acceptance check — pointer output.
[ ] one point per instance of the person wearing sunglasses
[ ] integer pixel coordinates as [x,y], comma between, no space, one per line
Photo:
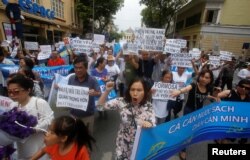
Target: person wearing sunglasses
[239,94]
[19,89]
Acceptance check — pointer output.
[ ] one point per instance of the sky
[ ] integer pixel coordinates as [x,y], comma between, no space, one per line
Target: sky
[129,15]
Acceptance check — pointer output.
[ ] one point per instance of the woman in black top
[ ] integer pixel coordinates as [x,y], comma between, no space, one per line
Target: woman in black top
[201,90]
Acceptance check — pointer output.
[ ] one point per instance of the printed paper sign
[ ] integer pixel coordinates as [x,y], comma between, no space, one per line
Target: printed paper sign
[31,45]
[226,56]
[81,46]
[45,52]
[73,97]
[163,91]
[99,38]
[150,39]
[181,60]
[174,45]
[195,54]
[214,60]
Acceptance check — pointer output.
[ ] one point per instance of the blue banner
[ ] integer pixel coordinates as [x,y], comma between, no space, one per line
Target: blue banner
[215,121]
[46,73]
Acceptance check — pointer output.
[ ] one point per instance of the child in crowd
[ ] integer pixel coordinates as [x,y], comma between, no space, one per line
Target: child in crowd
[67,138]
[160,106]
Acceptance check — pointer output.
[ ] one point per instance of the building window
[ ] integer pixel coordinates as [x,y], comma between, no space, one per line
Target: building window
[193,20]
[58,8]
[211,16]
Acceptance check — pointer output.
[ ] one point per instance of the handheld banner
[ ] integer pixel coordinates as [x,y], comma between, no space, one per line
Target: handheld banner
[215,121]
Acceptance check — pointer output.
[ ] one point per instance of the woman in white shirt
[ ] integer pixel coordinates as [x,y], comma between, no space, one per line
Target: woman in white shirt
[19,90]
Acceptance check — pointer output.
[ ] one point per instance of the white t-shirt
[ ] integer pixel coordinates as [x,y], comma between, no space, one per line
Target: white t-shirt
[160,108]
[113,70]
[41,109]
[181,80]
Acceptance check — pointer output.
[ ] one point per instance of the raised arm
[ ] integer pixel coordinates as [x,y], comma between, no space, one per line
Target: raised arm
[104,95]
[176,93]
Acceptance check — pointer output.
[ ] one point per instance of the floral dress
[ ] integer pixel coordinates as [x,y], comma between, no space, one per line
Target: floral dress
[130,117]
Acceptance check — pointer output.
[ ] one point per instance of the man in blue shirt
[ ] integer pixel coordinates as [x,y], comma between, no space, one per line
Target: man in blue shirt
[83,79]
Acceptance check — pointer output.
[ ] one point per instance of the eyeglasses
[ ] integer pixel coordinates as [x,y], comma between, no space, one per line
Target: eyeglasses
[15,91]
[244,87]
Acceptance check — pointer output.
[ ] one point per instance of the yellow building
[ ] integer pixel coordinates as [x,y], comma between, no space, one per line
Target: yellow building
[128,35]
[215,25]
[53,20]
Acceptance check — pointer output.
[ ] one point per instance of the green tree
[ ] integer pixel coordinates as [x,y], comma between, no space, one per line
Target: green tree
[103,13]
[159,13]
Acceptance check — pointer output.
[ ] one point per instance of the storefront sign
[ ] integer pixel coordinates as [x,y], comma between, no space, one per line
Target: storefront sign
[34,8]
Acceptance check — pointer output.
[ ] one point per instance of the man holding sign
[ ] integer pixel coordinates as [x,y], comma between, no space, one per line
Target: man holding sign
[83,79]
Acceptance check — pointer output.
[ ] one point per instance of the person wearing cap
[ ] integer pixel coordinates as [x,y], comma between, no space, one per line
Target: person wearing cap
[55,59]
[245,73]
[112,68]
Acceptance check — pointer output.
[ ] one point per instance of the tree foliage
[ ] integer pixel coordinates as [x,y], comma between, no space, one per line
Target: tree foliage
[103,13]
[159,13]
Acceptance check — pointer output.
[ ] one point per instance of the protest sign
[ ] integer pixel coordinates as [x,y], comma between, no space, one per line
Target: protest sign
[45,52]
[163,91]
[31,45]
[225,56]
[132,48]
[196,54]
[214,121]
[181,59]
[81,46]
[73,97]
[214,60]
[5,43]
[174,45]
[99,39]
[150,39]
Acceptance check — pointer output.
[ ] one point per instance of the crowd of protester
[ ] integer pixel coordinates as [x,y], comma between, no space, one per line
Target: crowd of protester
[132,76]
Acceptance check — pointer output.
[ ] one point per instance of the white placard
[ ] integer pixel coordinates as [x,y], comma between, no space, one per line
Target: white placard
[225,56]
[196,54]
[45,52]
[5,43]
[31,45]
[132,47]
[174,45]
[150,39]
[99,38]
[163,90]
[81,46]
[214,60]
[73,97]
[181,60]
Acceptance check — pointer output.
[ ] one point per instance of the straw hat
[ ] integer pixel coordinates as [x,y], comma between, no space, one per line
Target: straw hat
[110,58]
